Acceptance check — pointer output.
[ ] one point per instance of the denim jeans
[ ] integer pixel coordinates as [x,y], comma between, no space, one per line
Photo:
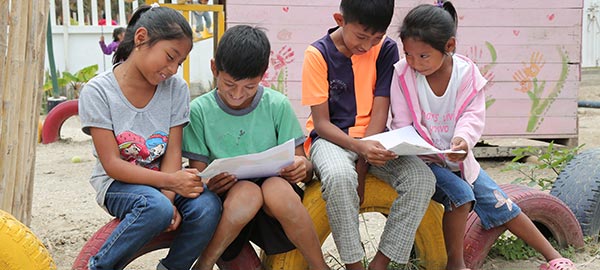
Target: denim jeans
[198,15]
[491,204]
[144,213]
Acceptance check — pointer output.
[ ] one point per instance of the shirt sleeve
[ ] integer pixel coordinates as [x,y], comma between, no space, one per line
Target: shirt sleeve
[194,141]
[388,56]
[180,108]
[105,49]
[94,108]
[287,124]
[315,87]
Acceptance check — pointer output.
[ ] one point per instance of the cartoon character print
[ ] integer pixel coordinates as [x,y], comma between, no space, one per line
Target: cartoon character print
[157,145]
[132,147]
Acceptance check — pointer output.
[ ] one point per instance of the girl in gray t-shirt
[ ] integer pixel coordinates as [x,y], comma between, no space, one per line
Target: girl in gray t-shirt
[135,113]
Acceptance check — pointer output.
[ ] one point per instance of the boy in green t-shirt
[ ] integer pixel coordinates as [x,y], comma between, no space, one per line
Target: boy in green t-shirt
[241,117]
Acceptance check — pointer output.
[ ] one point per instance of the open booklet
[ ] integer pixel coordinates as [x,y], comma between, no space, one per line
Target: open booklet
[263,164]
[406,141]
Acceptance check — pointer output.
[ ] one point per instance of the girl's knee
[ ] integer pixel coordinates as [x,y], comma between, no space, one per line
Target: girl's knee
[206,206]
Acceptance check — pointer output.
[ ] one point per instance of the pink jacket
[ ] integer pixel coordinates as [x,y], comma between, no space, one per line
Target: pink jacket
[470,111]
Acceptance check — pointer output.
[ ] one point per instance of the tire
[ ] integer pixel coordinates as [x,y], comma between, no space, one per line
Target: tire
[578,186]
[55,118]
[247,260]
[20,248]
[549,214]
[429,240]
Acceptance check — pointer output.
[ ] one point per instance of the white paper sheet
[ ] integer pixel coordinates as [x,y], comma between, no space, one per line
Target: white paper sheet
[263,164]
[406,141]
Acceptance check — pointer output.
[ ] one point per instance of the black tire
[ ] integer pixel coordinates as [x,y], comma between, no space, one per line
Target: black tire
[246,260]
[550,215]
[578,186]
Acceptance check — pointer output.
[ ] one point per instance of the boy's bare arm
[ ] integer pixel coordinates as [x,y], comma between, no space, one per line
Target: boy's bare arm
[329,131]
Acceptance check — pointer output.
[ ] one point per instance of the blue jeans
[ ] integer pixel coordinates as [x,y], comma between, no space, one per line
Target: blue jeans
[199,23]
[491,204]
[144,213]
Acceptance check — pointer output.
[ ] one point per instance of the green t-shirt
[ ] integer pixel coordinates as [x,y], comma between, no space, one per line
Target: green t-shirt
[217,131]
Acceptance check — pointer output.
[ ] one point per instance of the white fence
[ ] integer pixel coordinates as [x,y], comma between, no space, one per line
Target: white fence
[75,37]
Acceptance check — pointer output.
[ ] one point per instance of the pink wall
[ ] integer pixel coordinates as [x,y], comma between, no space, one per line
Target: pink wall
[514,42]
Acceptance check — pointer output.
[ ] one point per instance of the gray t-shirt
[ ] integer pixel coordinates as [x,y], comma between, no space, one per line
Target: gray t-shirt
[141,133]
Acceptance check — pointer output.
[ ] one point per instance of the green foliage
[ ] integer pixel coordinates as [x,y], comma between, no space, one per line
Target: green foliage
[76,81]
[552,158]
[511,248]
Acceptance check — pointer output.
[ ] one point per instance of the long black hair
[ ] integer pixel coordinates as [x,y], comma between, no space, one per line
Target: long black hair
[162,23]
[432,24]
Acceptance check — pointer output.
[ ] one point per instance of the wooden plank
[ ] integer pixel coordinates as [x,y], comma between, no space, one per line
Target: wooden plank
[508,17]
[497,90]
[517,127]
[463,4]
[542,37]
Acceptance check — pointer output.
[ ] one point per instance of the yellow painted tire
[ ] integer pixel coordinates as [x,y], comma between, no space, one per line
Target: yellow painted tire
[379,196]
[20,248]
[39,131]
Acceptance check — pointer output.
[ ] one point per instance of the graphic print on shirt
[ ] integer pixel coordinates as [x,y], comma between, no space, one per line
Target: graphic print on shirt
[137,150]
[232,138]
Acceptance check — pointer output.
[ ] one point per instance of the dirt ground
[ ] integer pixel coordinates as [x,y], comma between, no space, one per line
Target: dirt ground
[65,214]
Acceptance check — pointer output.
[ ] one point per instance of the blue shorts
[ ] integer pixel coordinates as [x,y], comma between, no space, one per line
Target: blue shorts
[491,204]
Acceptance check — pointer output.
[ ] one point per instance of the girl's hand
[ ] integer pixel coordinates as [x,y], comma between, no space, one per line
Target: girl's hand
[221,183]
[187,183]
[374,153]
[458,143]
[296,172]
[101,38]
[175,221]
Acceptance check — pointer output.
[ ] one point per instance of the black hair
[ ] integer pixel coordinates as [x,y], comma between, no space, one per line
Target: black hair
[375,15]
[243,52]
[162,23]
[117,32]
[431,24]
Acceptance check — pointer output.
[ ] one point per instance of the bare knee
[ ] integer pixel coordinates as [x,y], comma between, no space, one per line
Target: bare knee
[242,202]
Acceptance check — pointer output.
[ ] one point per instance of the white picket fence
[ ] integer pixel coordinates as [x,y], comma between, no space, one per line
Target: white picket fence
[75,37]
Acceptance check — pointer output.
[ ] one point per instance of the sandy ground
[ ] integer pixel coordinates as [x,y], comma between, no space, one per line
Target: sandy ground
[65,214]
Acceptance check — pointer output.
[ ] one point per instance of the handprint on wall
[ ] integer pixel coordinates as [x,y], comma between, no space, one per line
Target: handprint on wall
[276,75]
[476,54]
[528,83]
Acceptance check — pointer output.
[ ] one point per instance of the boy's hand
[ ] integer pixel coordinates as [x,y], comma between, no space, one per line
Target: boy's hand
[374,153]
[221,183]
[187,183]
[296,172]
[175,221]
[458,143]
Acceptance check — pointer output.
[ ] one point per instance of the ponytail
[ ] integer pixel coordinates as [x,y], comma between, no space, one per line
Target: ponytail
[448,6]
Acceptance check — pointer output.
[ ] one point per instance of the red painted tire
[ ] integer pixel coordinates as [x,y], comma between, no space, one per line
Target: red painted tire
[56,117]
[551,216]
[246,260]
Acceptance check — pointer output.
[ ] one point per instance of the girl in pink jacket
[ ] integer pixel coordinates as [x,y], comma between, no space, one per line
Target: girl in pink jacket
[441,94]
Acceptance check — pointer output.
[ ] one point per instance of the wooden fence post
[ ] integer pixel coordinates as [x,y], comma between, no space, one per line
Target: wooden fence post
[22,49]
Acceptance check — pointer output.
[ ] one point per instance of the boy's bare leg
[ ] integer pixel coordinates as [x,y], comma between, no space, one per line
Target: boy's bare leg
[453,226]
[282,202]
[380,261]
[354,266]
[522,227]
[243,201]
